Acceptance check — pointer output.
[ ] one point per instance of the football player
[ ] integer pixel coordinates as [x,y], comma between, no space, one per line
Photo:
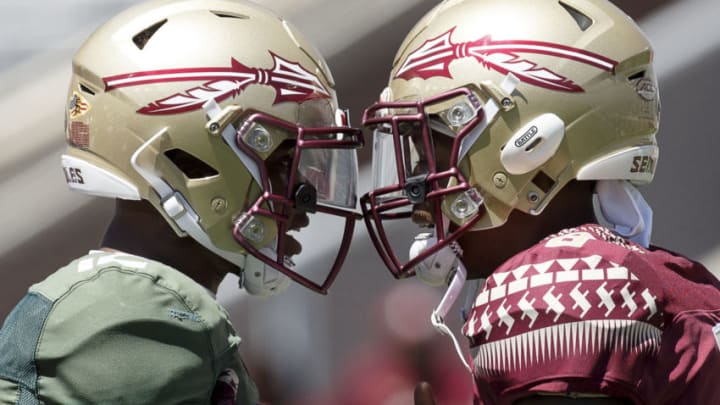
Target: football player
[516,133]
[215,126]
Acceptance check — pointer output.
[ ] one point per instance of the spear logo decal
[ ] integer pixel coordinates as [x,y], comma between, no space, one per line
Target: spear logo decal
[292,83]
[433,58]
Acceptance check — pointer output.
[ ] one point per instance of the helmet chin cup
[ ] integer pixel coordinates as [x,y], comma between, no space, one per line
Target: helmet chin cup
[437,269]
[259,279]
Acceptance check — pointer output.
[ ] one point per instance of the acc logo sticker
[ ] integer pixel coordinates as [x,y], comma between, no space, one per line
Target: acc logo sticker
[78,106]
[646,89]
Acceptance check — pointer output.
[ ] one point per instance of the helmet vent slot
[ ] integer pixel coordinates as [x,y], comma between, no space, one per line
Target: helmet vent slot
[141,38]
[86,89]
[192,167]
[543,181]
[227,14]
[638,75]
[582,20]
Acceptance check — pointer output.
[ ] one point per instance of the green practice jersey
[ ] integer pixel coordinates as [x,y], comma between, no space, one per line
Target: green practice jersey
[113,328]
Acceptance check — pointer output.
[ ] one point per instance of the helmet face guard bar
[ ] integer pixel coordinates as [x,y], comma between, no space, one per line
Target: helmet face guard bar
[277,205]
[389,202]
[281,262]
[376,219]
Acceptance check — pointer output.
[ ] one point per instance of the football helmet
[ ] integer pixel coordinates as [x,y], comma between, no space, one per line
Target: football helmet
[224,117]
[494,106]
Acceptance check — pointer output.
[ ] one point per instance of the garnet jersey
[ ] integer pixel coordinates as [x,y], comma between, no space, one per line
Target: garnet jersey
[585,311]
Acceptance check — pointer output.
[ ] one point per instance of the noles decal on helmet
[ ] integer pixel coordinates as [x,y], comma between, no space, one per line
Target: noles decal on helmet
[292,83]
[432,59]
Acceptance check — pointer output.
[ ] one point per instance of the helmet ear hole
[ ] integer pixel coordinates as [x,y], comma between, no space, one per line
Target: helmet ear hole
[543,181]
[636,76]
[191,166]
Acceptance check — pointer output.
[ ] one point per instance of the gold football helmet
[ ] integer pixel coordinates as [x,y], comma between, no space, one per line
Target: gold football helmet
[224,117]
[495,105]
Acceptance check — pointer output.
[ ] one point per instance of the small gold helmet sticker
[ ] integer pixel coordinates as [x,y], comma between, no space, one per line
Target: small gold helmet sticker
[78,106]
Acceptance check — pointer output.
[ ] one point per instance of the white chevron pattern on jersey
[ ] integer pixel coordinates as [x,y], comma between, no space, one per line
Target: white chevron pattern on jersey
[550,290]
[580,300]
[533,348]
[535,275]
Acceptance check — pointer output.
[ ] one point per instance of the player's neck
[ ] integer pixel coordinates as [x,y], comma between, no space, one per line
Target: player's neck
[485,251]
[138,229]
[572,207]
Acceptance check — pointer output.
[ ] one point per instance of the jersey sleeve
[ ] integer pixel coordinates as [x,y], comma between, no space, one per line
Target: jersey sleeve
[19,337]
[688,363]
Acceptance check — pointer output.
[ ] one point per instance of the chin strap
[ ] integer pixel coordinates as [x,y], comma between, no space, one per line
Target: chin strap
[620,207]
[438,315]
[442,268]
